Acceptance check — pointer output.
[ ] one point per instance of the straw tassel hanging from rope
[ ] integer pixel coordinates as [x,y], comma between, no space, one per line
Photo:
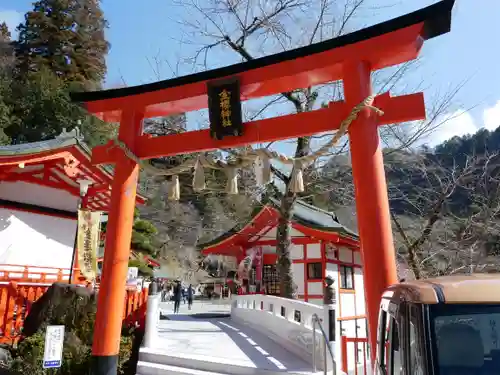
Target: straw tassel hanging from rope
[297,178]
[262,168]
[174,189]
[232,180]
[199,183]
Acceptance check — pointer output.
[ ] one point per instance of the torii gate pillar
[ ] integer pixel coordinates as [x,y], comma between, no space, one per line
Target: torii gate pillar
[372,202]
[109,317]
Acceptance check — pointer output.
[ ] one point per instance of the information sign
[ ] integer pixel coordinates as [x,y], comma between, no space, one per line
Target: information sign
[54,339]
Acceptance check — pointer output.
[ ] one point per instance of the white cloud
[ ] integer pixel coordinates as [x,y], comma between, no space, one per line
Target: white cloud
[491,117]
[458,123]
[461,123]
[12,18]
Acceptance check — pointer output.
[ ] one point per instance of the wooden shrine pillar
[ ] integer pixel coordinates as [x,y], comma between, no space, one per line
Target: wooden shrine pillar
[372,203]
[111,296]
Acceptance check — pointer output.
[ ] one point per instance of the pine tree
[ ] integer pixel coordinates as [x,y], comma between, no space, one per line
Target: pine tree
[143,236]
[67,37]
[5,113]
[6,60]
[4,33]
[41,107]
[61,48]
[6,52]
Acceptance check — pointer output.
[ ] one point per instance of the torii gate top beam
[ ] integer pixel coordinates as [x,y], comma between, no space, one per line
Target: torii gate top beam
[382,45]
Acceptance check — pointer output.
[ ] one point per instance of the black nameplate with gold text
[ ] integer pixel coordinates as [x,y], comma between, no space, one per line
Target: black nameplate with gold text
[224,108]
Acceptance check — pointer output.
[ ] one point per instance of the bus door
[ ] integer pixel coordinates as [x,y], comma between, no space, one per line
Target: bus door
[390,358]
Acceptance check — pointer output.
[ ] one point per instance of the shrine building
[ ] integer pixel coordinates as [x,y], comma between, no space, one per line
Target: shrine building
[321,247]
[42,185]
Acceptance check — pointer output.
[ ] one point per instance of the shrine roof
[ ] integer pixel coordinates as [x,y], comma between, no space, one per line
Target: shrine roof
[315,217]
[306,218]
[280,72]
[27,150]
[59,163]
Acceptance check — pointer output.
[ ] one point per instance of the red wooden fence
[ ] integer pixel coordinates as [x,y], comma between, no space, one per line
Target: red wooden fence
[34,274]
[16,301]
[361,361]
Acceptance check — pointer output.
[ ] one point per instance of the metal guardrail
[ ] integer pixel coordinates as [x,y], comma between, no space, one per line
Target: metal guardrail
[326,344]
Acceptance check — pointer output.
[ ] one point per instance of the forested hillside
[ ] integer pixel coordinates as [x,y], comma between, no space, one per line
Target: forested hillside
[444,203]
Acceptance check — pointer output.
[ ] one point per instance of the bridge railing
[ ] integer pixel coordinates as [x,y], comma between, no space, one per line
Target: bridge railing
[288,322]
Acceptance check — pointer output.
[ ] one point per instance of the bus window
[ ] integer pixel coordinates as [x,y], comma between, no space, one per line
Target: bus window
[387,341]
[466,338]
[381,339]
[416,353]
[390,357]
[396,364]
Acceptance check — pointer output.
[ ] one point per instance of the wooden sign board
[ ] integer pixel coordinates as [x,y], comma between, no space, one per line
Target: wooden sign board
[224,108]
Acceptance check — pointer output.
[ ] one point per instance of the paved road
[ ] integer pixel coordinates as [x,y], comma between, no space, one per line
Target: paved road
[199,337]
[198,307]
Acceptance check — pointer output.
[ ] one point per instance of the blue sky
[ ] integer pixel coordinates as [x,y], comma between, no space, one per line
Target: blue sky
[470,52]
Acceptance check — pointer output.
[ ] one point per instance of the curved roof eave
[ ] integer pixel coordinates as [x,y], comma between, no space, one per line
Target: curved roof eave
[308,222]
[28,151]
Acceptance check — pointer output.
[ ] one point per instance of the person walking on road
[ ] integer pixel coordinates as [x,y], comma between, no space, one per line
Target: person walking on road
[164,292]
[184,295]
[177,296]
[190,293]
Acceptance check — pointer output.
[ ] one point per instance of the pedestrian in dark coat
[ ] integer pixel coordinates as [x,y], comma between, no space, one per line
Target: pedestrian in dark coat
[177,296]
[190,293]
[184,295]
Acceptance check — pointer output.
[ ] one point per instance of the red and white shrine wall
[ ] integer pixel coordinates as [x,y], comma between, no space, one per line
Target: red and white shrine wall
[313,260]
[35,226]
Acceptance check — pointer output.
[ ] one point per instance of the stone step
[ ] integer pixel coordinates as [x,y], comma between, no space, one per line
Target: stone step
[146,368]
[154,362]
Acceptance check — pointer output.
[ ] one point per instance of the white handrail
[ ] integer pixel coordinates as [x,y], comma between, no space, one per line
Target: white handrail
[152,318]
[326,344]
[269,313]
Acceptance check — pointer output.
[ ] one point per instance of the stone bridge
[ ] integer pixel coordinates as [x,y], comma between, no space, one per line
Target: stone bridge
[247,335]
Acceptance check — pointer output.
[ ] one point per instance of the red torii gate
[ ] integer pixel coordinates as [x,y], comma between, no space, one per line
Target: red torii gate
[350,58]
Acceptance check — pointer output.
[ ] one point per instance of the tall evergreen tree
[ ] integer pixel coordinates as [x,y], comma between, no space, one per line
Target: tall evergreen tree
[41,107]
[61,47]
[67,37]
[6,51]
[6,60]
[5,112]
[4,32]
